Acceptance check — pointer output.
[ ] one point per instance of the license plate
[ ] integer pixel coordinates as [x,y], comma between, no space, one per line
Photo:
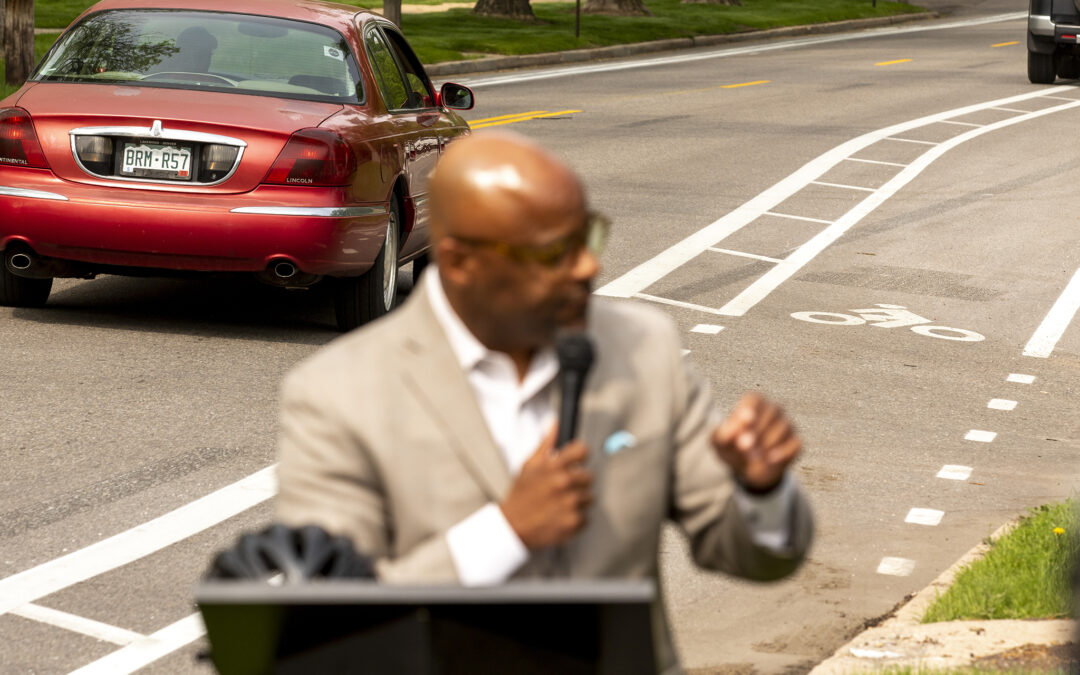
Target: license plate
[151,160]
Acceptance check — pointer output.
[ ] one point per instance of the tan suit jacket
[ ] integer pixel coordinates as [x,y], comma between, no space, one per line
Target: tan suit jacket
[382,440]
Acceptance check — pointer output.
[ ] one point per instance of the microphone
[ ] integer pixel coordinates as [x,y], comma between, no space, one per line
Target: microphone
[575,352]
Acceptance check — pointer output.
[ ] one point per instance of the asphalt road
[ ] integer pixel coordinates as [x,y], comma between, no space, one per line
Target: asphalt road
[126,400]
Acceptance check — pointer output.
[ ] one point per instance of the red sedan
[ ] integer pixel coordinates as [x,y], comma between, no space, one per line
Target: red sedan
[289,139]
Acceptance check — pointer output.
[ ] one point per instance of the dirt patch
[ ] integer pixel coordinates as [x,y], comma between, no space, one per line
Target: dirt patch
[1034,658]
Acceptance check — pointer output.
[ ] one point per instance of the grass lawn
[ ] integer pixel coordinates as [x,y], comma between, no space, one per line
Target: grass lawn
[1025,575]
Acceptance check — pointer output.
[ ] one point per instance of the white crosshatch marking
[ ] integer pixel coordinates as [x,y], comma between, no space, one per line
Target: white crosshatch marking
[896,567]
[707,328]
[980,436]
[1020,379]
[1001,404]
[955,472]
[924,516]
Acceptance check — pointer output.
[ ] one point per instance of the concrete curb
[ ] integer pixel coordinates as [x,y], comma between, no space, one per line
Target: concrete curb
[492,63]
[901,641]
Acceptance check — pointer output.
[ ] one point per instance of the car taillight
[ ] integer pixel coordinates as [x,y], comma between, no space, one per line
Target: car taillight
[18,140]
[313,157]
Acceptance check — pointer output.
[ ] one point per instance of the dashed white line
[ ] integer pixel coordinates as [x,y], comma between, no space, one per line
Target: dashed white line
[1001,404]
[874,161]
[919,516]
[676,303]
[980,436]
[955,472]
[140,541]
[896,567]
[1057,320]
[1020,378]
[910,140]
[743,254]
[791,217]
[78,624]
[143,652]
[842,187]
[707,328]
[972,124]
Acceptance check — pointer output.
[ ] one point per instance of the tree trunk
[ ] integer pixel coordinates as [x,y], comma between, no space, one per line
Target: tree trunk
[520,10]
[616,7]
[730,3]
[18,40]
[391,9]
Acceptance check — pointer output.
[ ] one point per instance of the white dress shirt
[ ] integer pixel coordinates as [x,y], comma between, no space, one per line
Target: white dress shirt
[518,413]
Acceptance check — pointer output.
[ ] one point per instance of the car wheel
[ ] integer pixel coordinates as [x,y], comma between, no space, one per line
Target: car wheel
[1068,68]
[16,291]
[361,299]
[1041,68]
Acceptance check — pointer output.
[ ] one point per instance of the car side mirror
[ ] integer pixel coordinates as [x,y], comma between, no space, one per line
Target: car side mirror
[456,96]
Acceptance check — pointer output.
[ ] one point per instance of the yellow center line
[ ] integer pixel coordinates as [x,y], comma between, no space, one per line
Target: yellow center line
[889,63]
[523,119]
[503,117]
[719,86]
[744,84]
[1006,44]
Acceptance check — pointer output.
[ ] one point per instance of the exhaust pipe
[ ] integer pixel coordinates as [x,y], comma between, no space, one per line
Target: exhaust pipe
[23,262]
[19,262]
[285,274]
[285,270]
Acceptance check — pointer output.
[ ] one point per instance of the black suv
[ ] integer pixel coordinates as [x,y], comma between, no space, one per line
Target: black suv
[1053,44]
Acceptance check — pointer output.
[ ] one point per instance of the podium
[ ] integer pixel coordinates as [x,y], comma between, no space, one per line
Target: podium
[597,627]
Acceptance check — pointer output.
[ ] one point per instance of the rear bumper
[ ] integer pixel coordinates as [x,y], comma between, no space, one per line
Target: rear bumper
[315,228]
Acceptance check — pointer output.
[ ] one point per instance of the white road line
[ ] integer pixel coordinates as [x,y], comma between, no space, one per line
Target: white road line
[931,517]
[1063,98]
[78,624]
[972,124]
[149,649]
[636,280]
[844,187]
[685,352]
[1051,329]
[1012,110]
[743,254]
[980,436]
[875,161]
[142,540]
[955,472]
[878,33]
[1020,378]
[807,219]
[910,140]
[707,328]
[896,567]
[1001,404]
[675,303]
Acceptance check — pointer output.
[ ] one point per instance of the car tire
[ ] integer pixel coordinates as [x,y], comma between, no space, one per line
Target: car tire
[1041,68]
[16,291]
[419,264]
[1068,68]
[360,299]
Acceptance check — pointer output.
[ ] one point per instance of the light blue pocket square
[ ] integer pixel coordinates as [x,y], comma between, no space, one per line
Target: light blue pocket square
[620,440]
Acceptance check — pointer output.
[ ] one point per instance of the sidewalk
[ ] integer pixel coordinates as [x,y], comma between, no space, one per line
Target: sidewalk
[902,642]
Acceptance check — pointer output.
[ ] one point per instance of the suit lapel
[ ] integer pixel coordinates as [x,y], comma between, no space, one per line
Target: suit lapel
[433,375]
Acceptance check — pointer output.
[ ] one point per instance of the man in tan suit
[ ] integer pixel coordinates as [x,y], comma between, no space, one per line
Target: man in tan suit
[427,436]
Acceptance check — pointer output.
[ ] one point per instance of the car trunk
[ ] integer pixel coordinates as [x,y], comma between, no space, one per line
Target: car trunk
[181,130]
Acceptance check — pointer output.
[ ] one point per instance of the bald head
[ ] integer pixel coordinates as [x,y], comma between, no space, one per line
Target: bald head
[500,187]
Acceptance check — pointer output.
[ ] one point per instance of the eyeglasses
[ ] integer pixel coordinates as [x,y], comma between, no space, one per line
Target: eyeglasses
[593,238]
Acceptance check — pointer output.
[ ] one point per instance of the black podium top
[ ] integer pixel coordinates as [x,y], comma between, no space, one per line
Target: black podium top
[566,627]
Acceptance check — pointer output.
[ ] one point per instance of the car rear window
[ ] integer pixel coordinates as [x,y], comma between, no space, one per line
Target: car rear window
[207,50]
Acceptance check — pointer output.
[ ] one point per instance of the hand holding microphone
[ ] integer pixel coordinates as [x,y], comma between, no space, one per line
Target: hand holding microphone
[547,503]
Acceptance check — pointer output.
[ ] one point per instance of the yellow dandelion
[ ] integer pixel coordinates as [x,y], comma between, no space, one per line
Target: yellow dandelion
[1059,531]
